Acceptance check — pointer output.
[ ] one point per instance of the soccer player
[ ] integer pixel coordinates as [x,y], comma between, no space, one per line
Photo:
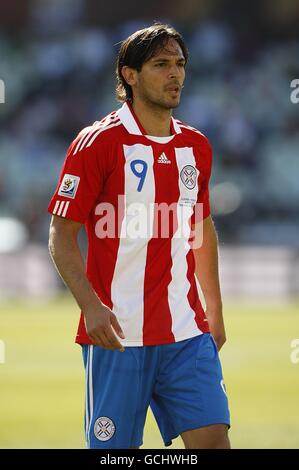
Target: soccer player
[146,339]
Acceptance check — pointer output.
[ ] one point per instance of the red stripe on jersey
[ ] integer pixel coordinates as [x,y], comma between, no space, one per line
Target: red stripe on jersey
[157,314]
[193,297]
[106,248]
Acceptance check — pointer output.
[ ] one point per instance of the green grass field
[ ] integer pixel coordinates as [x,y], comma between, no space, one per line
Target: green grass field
[42,379]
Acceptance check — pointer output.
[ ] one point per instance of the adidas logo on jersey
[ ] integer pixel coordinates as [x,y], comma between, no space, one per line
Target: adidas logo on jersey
[163,159]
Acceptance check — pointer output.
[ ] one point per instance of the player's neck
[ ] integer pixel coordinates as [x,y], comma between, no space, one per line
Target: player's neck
[155,120]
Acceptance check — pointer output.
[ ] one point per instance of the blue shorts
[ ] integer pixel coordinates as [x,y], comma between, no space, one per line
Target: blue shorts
[182,383]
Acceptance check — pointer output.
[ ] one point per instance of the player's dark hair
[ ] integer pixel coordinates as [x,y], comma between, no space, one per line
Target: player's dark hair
[139,48]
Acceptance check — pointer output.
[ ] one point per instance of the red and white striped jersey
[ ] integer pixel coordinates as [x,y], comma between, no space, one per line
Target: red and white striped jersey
[141,266]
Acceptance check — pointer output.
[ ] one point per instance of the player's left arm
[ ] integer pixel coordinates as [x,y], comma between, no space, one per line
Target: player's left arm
[207,272]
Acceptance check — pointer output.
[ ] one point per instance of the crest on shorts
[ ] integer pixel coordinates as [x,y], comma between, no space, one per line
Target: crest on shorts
[104,428]
[188,176]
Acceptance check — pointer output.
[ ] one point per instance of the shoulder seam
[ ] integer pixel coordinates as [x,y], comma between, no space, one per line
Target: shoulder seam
[185,126]
[93,131]
[118,123]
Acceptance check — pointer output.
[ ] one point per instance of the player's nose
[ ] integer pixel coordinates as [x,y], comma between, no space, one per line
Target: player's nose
[175,71]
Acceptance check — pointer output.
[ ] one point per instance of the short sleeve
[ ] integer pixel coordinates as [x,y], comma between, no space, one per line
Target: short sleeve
[81,181]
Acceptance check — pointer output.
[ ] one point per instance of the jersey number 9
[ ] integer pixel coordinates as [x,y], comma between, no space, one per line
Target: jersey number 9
[139,168]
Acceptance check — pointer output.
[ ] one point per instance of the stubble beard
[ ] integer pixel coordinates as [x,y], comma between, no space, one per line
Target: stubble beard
[158,103]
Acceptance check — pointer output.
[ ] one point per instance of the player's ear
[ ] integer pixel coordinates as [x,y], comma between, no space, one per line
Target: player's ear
[129,75]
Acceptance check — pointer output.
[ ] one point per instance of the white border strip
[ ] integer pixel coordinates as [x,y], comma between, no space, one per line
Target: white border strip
[86,398]
[90,387]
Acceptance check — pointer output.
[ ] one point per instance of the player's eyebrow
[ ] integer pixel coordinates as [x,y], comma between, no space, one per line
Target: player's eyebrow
[164,59]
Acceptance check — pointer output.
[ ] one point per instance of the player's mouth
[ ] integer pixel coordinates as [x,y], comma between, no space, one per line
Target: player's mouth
[174,89]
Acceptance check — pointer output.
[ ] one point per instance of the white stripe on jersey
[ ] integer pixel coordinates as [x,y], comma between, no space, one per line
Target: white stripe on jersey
[183,316]
[91,129]
[60,208]
[101,125]
[56,207]
[183,126]
[176,126]
[127,288]
[84,133]
[65,208]
[102,130]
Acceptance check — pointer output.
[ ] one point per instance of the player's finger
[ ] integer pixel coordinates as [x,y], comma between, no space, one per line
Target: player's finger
[105,338]
[116,326]
[113,341]
[100,339]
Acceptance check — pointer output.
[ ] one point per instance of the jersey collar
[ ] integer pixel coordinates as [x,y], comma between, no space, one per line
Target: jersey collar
[132,124]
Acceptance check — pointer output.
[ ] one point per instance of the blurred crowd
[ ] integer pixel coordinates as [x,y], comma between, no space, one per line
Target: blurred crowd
[59,78]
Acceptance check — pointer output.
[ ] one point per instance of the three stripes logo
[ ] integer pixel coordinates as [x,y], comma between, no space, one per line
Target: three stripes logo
[163,159]
[61,208]
[91,133]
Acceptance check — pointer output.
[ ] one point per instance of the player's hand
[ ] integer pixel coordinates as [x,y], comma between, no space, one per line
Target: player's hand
[101,325]
[217,329]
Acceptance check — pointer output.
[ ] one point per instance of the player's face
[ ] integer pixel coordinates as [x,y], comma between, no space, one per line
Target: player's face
[161,78]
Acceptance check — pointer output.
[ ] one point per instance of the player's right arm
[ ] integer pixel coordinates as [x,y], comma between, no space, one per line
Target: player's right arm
[87,164]
[67,257]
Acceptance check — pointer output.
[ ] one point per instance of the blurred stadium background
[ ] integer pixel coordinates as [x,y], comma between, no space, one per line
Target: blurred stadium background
[57,71]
